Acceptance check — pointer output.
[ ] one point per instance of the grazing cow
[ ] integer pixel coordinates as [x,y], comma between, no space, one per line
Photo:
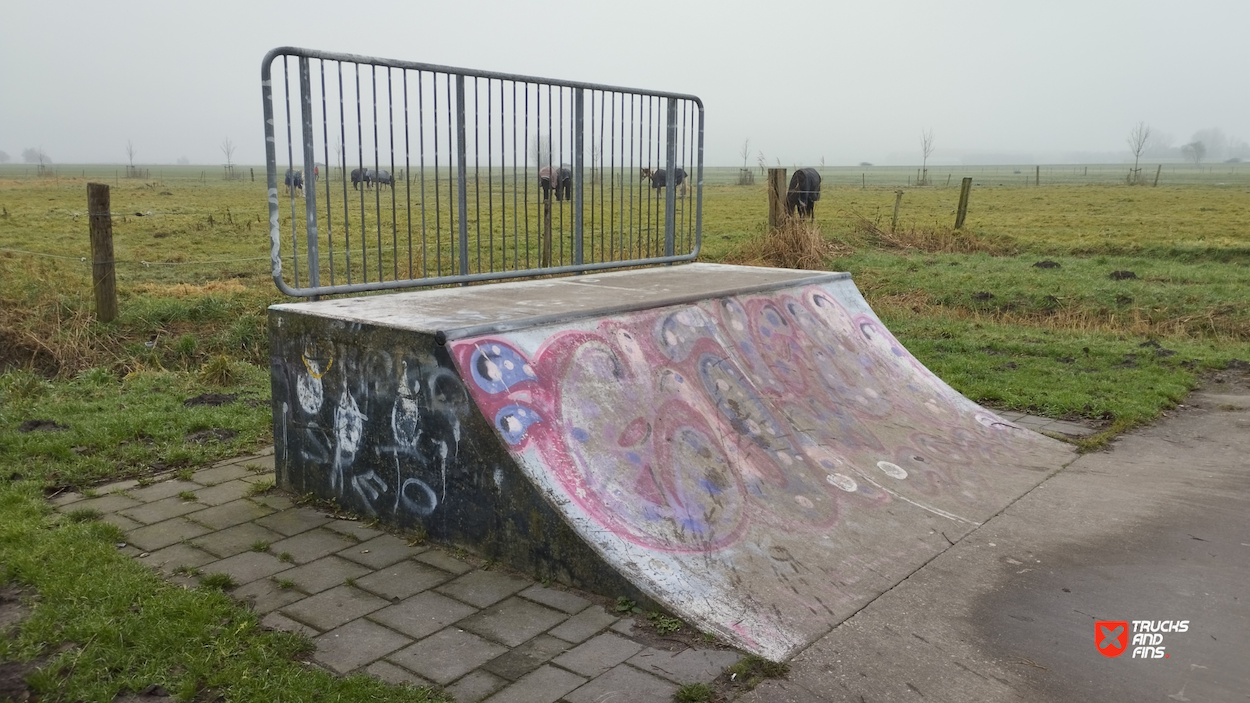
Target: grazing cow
[803,193]
[382,178]
[659,179]
[361,175]
[294,179]
[558,179]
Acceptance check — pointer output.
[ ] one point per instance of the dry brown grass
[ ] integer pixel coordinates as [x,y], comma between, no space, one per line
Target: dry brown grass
[933,239]
[1136,322]
[186,290]
[796,244]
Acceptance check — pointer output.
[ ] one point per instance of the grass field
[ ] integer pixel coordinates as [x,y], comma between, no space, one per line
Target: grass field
[1065,339]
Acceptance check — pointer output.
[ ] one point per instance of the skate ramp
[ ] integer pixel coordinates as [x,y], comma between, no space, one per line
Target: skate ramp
[750,448]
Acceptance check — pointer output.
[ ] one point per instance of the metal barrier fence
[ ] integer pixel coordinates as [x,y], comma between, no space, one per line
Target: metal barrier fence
[417,175]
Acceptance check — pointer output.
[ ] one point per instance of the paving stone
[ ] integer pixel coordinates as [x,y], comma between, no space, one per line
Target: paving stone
[512,621]
[264,595]
[686,666]
[422,614]
[527,657]
[622,684]
[163,534]
[105,504]
[247,567]
[475,686]
[447,655]
[65,498]
[161,510]
[116,487]
[354,529]
[402,580]
[545,684]
[381,551]
[236,540]
[584,625]
[311,545]
[223,492]
[560,600]
[121,521]
[264,460]
[442,560]
[355,644]
[330,609]
[267,477]
[278,621]
[326,572]
[398,675]
[596,656]
[277,501]
[230,514]
[293,521]
[483,588]
[625,626]
[163,489]
[220,474]
[178,555]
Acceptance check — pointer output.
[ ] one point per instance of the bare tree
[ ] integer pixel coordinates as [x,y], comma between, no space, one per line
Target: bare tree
[926,148]
[227,149]
[4,157]
[36,155]
[746,176]
[183,161]
[1214,140]
[1195,152]
[130,152]
[822,162]
[762,162]
[1138,139]
[540,151]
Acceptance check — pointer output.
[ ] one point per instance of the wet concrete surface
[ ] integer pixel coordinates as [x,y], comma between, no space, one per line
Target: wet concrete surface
[1155,528]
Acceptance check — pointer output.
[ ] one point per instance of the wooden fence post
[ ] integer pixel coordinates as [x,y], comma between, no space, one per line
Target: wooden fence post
[1158,171]
[776,197]
[1037,179]
[103,276]
[964,190]
[898,201]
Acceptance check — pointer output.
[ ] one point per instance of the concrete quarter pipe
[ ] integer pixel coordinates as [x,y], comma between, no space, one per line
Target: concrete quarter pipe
[750,448]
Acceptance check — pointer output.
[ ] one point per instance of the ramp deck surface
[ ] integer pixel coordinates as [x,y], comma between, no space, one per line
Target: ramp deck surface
[749,447]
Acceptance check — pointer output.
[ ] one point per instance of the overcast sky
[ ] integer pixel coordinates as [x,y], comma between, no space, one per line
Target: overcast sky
[847,81]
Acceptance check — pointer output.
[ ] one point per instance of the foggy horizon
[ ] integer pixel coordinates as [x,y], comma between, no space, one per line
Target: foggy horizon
[1063,83]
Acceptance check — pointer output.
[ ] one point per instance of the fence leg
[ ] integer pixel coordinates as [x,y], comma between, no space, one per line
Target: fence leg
[776,197]
[103,274]
[898,201]
[964,191]
[547,230]
[1158,172]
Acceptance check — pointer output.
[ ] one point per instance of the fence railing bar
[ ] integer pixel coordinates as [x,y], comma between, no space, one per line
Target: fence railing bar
[360,157]
[462,177]
[421,159]
[579,174]
[310,158]
[390,123]
[347,232]
[325,143]
[290,160]
[407,175]
[377,189]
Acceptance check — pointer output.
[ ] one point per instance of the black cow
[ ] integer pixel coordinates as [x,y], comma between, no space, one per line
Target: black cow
[803,193]
[359,176]
[294,179]
[558,179]
[659,178]
[382,178]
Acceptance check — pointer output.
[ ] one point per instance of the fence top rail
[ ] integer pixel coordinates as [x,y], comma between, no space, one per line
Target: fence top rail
[273,54]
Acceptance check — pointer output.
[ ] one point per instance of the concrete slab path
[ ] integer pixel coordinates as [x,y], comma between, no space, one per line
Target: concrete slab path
[1155,529]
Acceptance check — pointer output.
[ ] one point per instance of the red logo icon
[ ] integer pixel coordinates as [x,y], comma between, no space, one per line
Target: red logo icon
[1111,636]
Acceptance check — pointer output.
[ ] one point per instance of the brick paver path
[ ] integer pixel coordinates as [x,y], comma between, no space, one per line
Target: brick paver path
[371,602]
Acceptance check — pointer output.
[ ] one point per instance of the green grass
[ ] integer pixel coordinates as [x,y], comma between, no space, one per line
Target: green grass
[105,623]
[693,693]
